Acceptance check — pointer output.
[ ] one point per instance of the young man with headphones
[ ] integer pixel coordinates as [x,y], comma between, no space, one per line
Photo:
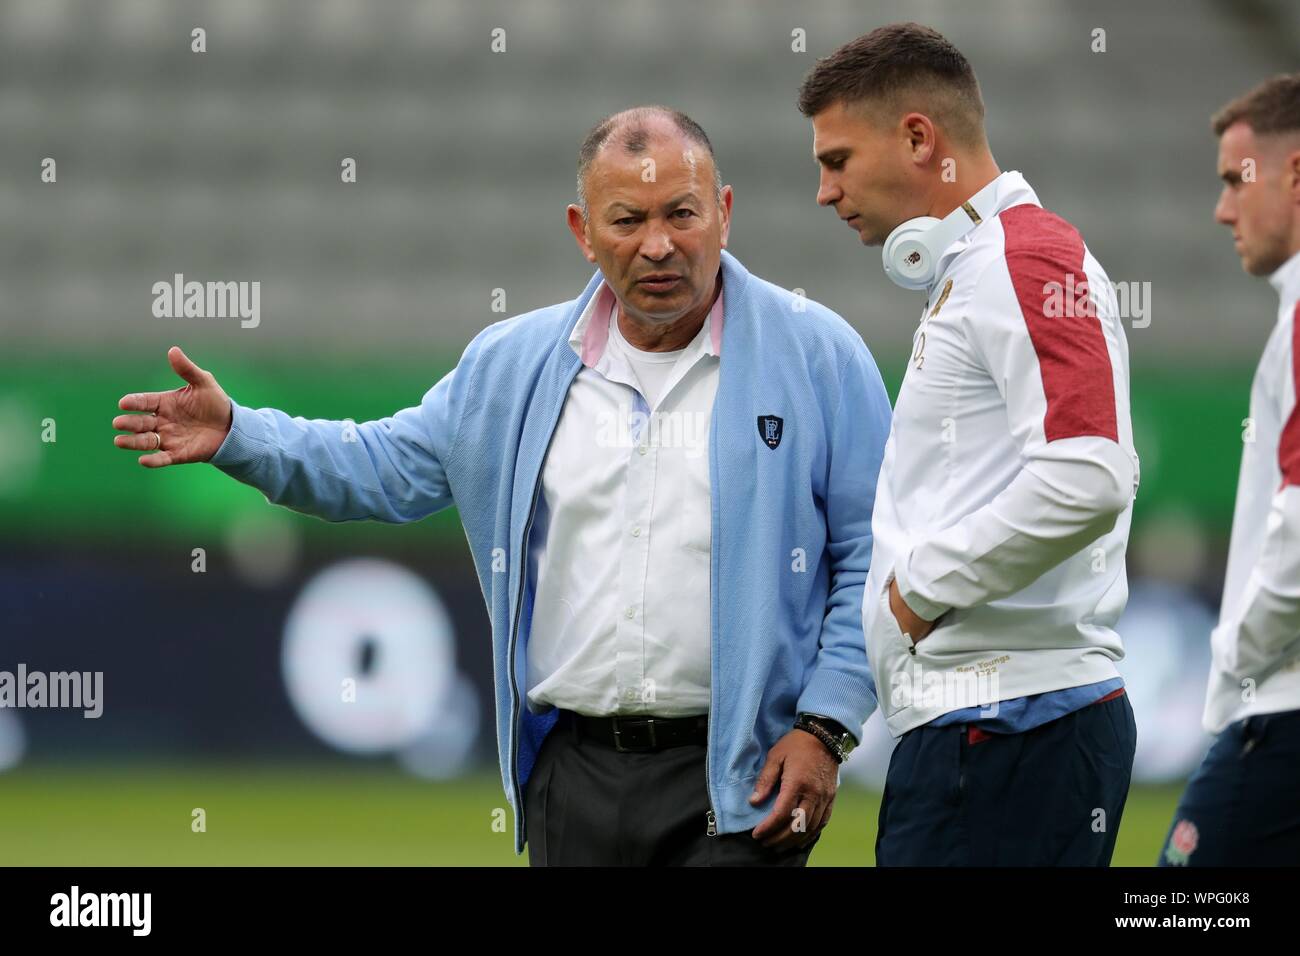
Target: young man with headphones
[1003,505]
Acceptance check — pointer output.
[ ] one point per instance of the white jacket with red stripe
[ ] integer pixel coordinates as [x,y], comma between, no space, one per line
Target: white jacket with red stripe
[1256,646]
[1005,496]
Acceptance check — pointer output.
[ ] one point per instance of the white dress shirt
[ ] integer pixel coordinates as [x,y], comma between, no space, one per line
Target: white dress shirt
[619,555]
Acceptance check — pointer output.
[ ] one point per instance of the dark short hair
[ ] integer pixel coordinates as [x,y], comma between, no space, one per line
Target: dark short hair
[895,60]
[628,129]
[1271,107]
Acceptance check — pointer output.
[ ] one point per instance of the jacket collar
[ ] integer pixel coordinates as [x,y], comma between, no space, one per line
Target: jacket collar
[590,336]
[1004,191]
[1286,279]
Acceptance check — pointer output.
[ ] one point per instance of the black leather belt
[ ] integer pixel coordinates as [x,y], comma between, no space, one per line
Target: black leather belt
[639,734]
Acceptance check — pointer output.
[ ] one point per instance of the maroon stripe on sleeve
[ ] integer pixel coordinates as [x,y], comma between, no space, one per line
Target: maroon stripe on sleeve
[1288,447]
[1044,256]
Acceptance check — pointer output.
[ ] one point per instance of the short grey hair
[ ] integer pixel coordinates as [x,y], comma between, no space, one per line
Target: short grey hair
[629,131]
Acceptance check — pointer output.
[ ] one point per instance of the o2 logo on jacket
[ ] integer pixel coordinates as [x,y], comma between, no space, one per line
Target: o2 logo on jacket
[369,657]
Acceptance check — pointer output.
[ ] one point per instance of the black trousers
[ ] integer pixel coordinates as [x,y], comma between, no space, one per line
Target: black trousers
[1242,806]
[1051,796]
[586,804]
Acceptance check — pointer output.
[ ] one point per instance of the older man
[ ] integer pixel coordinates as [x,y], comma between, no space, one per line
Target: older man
[672,544]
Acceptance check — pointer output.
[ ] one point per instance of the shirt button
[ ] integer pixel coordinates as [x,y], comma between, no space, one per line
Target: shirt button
[636,532]
[630,612]
[641,449]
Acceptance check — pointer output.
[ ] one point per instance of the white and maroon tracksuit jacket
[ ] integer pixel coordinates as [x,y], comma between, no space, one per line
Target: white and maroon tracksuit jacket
[1256,647]
[1004,500]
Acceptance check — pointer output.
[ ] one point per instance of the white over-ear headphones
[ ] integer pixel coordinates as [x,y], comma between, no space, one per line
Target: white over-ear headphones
[911,253]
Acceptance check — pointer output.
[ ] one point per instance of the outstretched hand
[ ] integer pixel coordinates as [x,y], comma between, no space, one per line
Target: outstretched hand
[184,425]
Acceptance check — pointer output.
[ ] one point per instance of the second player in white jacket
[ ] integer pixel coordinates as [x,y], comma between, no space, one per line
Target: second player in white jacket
[1256,647]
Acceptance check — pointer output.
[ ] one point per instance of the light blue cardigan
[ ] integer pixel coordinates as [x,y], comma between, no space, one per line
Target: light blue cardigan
[791,524]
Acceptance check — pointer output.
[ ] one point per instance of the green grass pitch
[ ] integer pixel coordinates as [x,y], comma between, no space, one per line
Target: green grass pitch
[362,815]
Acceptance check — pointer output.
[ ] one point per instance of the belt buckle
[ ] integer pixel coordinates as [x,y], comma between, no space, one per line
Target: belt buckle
[618,738]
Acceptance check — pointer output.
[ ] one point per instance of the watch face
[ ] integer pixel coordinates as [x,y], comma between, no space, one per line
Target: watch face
[847,744]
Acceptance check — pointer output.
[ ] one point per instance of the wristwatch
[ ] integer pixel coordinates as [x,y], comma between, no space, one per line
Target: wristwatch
[831,733]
